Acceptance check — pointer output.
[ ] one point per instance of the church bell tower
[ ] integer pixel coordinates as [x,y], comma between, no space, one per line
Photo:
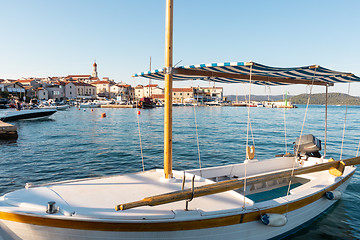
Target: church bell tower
[94,72]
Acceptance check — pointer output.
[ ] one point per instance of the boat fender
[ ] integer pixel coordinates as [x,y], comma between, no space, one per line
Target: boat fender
[274,220]
[250,152]
[333,195]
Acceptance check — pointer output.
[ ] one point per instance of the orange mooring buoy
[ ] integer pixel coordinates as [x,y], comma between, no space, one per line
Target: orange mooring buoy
[92,109]
[103,115]
[138,112]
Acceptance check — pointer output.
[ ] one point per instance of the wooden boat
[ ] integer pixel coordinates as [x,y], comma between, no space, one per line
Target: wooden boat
[251,200]
[146,103]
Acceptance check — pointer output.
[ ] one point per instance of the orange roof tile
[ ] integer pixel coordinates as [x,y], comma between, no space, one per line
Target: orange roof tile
[81,84]
[158,95]
[25,80]
[78,76]
[182,90]
[101,82]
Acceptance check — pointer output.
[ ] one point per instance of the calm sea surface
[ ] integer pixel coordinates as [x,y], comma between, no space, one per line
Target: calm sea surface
[79,143]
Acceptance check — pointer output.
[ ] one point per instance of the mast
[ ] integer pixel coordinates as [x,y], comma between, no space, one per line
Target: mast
[168,90]
[150,80]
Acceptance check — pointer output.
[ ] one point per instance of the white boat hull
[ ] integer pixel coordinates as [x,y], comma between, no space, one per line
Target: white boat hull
[305,203]
[33,114]
[93,105]
[247,231]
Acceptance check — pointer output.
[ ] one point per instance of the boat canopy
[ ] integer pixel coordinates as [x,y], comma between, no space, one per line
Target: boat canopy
[243,72]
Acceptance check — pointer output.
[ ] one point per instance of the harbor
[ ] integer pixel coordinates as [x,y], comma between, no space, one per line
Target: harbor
[164,153]
[81,144]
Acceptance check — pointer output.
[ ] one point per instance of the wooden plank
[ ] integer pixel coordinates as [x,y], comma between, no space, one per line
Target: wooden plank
[202,73]
[230,185]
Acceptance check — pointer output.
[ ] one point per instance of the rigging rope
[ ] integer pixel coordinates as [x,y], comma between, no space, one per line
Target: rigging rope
[197,139]
[197,134]
[247,135]
[343,136]
[302,129]
[141,149]
[285,127]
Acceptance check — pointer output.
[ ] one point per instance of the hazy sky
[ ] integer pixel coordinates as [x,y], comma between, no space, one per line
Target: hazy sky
[41,38]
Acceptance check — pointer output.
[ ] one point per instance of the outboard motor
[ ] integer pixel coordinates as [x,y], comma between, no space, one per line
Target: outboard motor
[307,145]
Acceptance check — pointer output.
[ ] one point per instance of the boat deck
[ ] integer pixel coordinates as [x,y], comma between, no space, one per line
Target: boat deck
[98,197]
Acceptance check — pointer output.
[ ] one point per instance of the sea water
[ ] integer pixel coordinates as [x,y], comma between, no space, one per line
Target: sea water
[77,144]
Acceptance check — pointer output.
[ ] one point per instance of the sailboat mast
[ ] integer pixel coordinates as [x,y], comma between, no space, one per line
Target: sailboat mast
[168,90]
[150,80]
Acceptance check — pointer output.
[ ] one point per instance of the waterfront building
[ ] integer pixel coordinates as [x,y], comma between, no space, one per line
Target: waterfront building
[122,91]
[139,92]
[9,81]
[42,93]
[28,82]
[102,88]
[160,97]
[152,89]
[30,92]
[147,91]
[56,91]
[208,94]
[80,90]
[78,78]
[14,88]
[181,94]
[54,80]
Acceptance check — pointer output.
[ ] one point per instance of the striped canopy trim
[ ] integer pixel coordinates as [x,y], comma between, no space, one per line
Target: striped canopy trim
[313,72]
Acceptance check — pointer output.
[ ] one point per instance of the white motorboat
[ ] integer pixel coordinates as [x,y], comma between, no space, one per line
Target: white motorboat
[251,200]
[27,114]
[62,107]
[103,101]
[54,106]
[90,105]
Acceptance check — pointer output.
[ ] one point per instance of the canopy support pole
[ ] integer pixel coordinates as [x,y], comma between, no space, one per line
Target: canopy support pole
[168,90]
[326,113]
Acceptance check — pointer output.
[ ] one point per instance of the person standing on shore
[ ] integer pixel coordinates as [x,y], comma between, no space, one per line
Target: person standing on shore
[17,105]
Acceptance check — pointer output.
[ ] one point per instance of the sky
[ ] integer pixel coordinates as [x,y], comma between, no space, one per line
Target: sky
[42,38]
